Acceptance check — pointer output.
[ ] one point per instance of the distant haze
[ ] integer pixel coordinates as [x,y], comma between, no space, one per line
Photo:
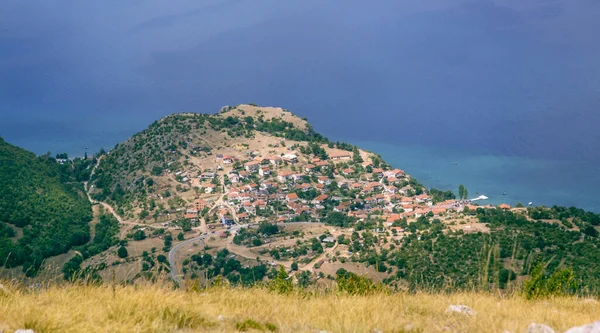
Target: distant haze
[507,80]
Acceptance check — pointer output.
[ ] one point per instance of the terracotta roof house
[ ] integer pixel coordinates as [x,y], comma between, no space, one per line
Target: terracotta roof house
[324,180]
[340,155]
[284,175]
[348,171]
[504,206]
[319,199]
[291,197]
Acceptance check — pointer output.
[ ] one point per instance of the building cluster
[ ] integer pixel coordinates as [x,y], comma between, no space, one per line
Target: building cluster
[294,186]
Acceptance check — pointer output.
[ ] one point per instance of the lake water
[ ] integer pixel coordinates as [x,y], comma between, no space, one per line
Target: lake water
[508,89]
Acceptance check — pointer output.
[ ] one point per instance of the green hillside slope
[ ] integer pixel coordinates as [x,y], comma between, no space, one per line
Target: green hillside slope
[43,209]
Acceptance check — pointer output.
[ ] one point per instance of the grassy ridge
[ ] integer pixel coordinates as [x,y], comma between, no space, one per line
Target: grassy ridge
[152,308]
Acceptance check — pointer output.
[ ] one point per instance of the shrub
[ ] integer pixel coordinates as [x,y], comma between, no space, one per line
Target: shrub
[122,252]
[539,285]
[281,284]
[353,284]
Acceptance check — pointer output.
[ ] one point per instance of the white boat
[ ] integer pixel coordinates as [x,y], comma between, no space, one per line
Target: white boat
[481,197]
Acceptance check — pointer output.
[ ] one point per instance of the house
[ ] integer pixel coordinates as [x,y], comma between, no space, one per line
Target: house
[322,164]
[275,160]
[208,175]
[283,176]
[397,229]
[304,187]
[324,180]
[191,217]
[329,239]
[378,172]
[422,198]
[393,218]
[228,159]
[504,207]
[291,197]
[348,171]
[232,196]
[264,171]
[209,188]
[309,168]
[234,178]
[391,189]
[320,199]
[340,155]
[200,204]
[420,212]
[290,158]
[242,217]
[471,208]
[251,166]
[370,200]
[259,204]
[245,197]
[262,160]
[227,220]
[406,201]
[297,177]
[340,208]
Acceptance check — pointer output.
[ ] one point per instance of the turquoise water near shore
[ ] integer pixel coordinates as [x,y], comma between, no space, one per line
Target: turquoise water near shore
[523,179]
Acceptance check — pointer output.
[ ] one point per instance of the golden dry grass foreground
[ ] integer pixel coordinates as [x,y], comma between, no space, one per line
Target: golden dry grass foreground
[152,308]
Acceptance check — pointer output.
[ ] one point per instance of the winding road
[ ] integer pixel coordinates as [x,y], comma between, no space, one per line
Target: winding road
[172,262]
[104,204]
[176,275]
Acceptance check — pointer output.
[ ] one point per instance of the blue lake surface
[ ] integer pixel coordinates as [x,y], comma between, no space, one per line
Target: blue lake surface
[508,89]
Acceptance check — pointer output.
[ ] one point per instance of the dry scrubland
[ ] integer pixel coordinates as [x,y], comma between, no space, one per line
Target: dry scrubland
[151,308]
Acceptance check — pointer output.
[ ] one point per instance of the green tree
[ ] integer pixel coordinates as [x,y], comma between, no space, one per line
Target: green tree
[463,194]
[282,283]
[122,252]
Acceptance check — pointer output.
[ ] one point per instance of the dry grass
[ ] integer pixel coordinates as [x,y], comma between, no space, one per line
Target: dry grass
[152,308]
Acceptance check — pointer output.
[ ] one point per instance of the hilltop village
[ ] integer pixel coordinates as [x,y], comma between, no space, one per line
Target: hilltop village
[253,194]
[306,183]
[259,183]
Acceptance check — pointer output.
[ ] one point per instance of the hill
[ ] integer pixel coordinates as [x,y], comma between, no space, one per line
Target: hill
[152,308]
[257,188]
[235,195]
[43,209]
[153,163]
